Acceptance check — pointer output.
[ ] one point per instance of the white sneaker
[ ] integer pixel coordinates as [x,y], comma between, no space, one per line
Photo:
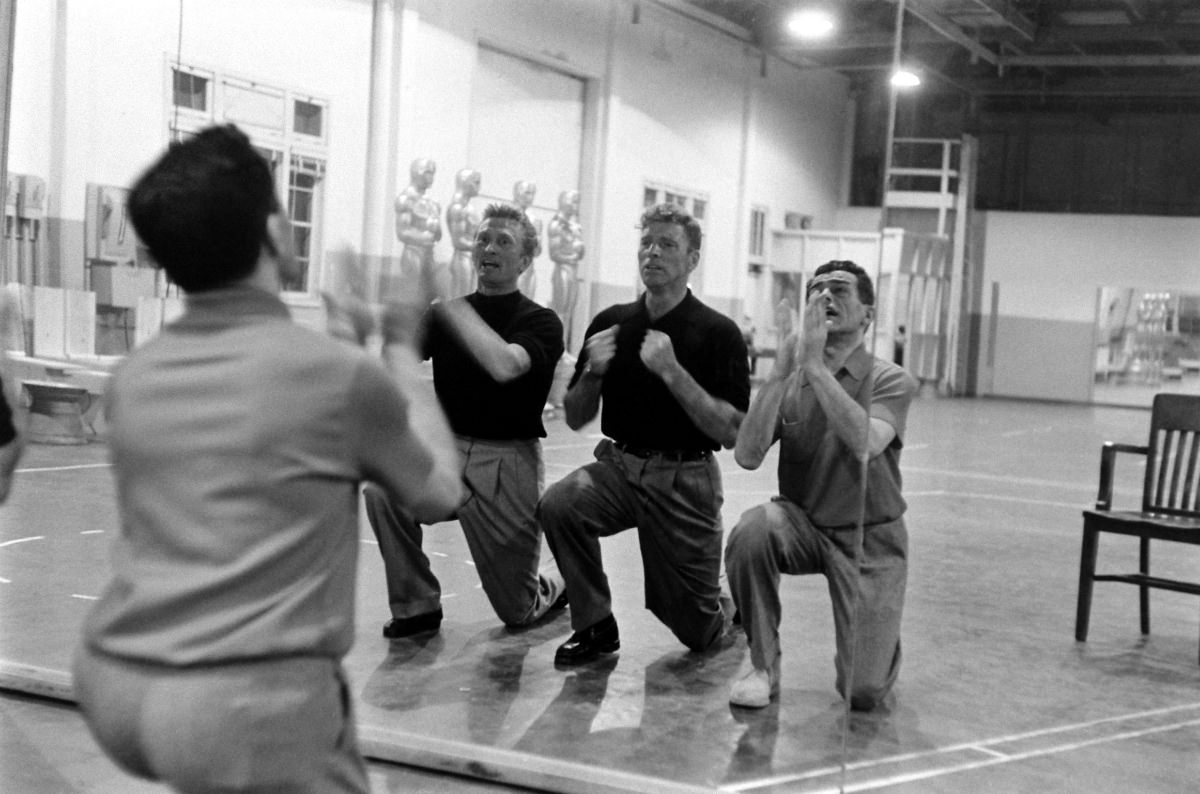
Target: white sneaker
[754,690]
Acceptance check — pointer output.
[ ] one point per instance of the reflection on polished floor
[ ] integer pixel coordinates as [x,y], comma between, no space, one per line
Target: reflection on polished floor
[994,694]
[1112,391]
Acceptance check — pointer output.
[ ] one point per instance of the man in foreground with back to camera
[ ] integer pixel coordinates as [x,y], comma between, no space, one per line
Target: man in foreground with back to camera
[674,379]
[835,410]
[493,353]
[12,439]
[212,660]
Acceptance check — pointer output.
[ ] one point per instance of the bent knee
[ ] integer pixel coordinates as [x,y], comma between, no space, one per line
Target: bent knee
[696,634]
[515,616]
[559,501]
[751,533]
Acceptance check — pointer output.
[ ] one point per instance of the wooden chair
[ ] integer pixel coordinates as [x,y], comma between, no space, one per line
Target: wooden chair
[1170,504]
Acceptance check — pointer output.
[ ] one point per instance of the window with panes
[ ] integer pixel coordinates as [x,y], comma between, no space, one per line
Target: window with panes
[288,127]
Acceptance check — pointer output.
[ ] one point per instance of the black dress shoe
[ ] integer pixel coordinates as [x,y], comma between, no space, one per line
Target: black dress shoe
[586,645]
[396,628]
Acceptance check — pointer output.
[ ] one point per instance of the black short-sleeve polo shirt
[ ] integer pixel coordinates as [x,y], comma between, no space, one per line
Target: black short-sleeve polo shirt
[637,407]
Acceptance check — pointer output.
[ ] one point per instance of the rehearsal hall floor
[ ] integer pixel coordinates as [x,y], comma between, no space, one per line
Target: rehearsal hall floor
[994,694]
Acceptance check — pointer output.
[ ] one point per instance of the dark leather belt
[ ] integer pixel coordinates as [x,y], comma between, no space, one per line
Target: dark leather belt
[681,455]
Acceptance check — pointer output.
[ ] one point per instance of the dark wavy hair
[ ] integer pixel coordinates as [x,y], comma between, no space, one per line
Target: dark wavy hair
[202,208]
[531,246]
[671,213]
[866,291]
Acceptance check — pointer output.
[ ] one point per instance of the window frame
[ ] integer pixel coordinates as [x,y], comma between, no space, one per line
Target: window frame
[757,234]
[284,143]
[201,116]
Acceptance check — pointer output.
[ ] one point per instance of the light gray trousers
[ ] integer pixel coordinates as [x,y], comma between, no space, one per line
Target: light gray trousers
[498,518]
[777,538]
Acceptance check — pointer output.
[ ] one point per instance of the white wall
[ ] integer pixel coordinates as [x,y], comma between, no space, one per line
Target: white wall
[669,99]
[796,138]
[437,78]
[116,80]
[857,219]
[1047,270]
[31,125]
[1051,265]
[676,120]
[674,94]
[108,119]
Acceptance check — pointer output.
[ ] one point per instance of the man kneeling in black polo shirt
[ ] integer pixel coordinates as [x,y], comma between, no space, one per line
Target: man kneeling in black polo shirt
[674,379]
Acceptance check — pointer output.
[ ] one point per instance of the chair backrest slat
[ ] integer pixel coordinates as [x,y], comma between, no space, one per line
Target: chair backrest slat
[1160,461]
[1191,489]
[1171,484]
[1181,445]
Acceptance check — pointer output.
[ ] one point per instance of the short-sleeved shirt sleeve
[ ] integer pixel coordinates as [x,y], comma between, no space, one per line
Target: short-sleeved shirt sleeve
[891,397]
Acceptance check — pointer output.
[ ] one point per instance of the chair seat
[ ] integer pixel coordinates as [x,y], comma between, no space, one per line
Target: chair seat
[1183,529]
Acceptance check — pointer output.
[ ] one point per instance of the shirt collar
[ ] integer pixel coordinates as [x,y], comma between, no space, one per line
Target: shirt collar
[643,310]
[858,364]
[232,304]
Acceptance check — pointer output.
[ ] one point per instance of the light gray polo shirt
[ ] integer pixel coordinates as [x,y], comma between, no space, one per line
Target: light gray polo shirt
[819,472]
[238,441]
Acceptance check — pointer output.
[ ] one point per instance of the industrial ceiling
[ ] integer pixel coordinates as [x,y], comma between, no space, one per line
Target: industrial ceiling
[990,49]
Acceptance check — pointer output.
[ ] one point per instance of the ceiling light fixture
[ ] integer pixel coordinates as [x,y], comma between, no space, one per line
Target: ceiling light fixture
[905,78]
[810,24]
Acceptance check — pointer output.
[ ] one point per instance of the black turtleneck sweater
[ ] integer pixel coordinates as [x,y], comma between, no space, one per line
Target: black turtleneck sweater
[477,405]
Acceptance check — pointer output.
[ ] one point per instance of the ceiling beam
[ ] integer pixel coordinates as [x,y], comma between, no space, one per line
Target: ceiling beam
[1136,10]
[935,20]
[1126,87]
[913,37]
[1099,61]
[697,14]
[1006,11]
[1090,34]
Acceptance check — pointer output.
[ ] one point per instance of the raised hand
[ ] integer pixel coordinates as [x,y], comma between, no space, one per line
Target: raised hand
[658,354]
[601,347]
[789,340]
[783,319]
[814,332]
[347,317]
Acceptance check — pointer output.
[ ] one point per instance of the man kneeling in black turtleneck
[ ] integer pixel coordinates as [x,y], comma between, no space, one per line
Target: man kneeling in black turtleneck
[494,353]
